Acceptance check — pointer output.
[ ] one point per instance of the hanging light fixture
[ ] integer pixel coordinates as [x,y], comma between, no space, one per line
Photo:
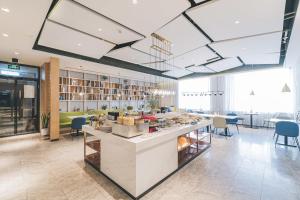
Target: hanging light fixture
[252,93]
[286,88]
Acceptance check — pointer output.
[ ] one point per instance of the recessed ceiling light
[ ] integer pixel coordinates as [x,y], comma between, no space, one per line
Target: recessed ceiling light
[172,45]
[237,22]
[134,2]
[99,29]
[4,34]
[17,53]
[79,44]
[5,10]
[244,48]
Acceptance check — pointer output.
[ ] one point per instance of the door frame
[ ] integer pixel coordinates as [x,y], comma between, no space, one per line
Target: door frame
[37,80]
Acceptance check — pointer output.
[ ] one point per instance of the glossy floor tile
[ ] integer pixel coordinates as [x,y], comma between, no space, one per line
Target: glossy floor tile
[243,167]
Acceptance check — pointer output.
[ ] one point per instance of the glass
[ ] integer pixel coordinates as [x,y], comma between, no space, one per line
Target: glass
[18,106]
[7,107]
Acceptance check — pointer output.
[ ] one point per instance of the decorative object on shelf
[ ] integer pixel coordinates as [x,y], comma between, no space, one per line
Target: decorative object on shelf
[45,123]
[153,103]
[129,108]
[286,88]
[104,107]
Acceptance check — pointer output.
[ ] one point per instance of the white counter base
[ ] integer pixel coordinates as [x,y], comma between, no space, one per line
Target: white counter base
[139,163]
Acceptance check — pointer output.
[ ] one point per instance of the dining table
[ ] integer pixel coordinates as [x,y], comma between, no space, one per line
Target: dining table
[251,118]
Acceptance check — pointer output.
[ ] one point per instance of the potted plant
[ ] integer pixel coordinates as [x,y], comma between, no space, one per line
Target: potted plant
[129,108]
[104,107]
[45,123]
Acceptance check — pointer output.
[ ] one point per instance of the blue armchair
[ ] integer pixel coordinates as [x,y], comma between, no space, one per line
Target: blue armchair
[233,121]
[287,129]
[77,124]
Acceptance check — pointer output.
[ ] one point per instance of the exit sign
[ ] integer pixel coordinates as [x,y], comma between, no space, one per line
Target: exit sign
[15,67]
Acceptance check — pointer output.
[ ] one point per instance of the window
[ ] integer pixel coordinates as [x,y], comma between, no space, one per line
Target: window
[187,97]
[266,85]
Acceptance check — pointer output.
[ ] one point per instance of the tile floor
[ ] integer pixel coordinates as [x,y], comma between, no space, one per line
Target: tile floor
[243,167]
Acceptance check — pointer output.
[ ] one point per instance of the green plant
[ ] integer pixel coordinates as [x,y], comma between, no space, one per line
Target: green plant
[129,108]
[153,103]
[45,117]
[104,107]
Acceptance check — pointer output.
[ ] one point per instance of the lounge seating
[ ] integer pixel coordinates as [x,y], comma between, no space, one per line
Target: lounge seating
[287,129]
[77,124]
[233,121]
[220,122]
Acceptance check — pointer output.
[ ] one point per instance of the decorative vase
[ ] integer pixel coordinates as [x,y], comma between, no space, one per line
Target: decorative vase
[44,131]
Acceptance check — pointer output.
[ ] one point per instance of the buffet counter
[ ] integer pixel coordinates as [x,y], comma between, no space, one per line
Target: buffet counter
[138,164]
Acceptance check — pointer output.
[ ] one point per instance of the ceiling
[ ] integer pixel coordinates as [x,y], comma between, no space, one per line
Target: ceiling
[207,36]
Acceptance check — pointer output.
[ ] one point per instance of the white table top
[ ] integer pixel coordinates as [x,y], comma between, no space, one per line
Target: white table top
[275,120]
[76,116]
[223,116]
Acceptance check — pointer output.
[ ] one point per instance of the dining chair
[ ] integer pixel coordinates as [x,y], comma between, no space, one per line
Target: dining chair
[287,129]
[220,122]
[77,124]
[233,121]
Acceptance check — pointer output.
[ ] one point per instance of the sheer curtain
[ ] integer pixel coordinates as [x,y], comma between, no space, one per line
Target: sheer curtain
[186,94]
[267,86]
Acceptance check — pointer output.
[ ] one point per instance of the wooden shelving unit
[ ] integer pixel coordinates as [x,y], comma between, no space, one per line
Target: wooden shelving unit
[102,89]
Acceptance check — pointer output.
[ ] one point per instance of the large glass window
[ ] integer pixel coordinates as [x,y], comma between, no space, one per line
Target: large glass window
[267,87]
[187,94]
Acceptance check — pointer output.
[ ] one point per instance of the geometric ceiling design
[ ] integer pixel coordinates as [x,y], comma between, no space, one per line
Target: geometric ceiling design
[262,44]
[91,23]
[207,36]
[54,36]
[195,57]
[144,17]
[256,59]
[200,69]
[183,35]
[177,73]
[224,64]
[129,54]
[228,19]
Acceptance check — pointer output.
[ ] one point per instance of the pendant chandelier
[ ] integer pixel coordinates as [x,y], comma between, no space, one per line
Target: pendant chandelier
[160,56]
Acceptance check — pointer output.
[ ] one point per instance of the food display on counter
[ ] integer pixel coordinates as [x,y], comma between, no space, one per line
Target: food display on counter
[186,118]
[130,126]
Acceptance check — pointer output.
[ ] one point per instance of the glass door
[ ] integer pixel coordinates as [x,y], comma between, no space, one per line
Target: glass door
[19,106]
[26,106]
[7,107]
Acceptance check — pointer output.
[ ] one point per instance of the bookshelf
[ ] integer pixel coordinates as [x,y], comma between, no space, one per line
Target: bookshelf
[80,91]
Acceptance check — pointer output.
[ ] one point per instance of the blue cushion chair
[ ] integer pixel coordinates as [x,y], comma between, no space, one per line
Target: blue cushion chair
[77,124]
[287,129]
[233,121]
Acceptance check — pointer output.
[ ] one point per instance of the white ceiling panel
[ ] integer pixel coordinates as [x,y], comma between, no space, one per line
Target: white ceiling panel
[225,64]
[250,45]
[200,69]
[199,1]
[272,58]
[131,55]
[230,19]
[183,35]
[143,45]
[92,23]
[144,16]
[178,73]
[196,57]
[160,66]
[62,38]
